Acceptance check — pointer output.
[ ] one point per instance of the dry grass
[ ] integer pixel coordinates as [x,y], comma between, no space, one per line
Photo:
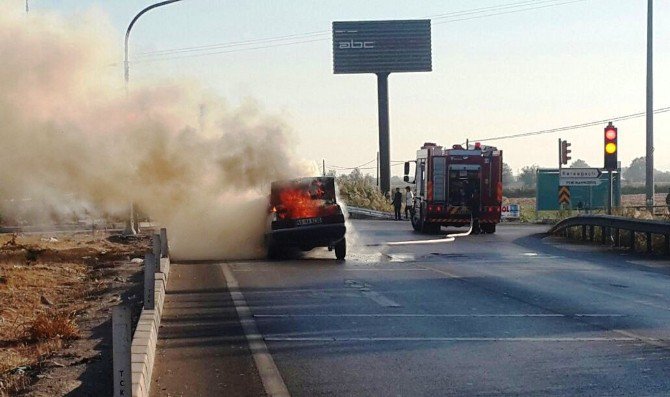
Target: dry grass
[529,214]
[48,326]
[45,284]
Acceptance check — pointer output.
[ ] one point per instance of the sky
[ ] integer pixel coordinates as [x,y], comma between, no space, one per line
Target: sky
[561,63]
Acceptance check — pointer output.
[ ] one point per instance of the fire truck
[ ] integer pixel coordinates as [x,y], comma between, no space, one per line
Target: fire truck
[456,186]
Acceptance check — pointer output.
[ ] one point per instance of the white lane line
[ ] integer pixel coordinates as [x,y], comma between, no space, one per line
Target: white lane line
[380,299]
[272,381]
[276,338]
[409,315]
[442,272]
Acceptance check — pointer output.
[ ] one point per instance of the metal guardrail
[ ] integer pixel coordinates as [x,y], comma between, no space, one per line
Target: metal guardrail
[611,227]
[369,213]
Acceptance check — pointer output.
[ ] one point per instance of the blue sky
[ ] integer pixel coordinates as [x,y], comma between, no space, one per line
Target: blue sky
[498,75]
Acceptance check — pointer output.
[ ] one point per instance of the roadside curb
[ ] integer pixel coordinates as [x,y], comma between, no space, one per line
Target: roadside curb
[143,346]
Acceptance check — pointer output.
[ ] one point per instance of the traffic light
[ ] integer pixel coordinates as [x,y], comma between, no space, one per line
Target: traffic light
[565,152]
[611,147]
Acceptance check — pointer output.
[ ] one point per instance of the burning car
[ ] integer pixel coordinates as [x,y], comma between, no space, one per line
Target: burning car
[305,215]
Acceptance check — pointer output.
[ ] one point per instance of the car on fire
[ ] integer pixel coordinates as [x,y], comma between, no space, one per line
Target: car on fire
[304,215]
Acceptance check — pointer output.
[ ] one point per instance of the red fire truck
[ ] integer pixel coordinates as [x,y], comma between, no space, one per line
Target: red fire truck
[457,186]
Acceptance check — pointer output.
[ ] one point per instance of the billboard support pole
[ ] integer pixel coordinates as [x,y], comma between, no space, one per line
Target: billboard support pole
[384,141]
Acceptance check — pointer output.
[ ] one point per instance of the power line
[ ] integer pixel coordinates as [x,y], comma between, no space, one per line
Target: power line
[234,43]
[536,7]
[293,39]
[572,127]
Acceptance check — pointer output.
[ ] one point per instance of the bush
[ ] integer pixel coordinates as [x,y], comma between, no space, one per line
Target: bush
[53,326]
[358,190]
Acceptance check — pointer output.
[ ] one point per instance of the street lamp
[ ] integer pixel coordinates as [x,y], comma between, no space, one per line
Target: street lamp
[125,63]
[130,226]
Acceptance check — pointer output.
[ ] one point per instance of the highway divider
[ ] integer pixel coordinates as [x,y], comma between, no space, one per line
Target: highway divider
[133,357]
[611,228]
[364,213]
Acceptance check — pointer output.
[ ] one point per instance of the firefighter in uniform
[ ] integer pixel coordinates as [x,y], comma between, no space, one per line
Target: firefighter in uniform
[473,204]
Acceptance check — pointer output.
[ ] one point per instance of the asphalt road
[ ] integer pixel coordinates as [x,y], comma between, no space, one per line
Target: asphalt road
[503,314]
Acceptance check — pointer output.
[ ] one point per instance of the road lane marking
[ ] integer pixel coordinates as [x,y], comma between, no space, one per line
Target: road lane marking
[277,338]
[380,299]
[650,341]
[442,272]
[409,315]
[272,381]
[365,289]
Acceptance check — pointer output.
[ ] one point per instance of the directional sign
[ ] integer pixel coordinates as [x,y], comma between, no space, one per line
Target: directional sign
[563,195]
[580,173]
[580,181]
[579,177]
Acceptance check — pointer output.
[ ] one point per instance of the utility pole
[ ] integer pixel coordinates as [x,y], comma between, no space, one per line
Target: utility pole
[27,7]
[649,180]
[126,65]
[324,166]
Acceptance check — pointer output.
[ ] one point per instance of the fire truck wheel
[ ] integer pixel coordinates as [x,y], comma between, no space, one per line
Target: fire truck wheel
[341,249]
[431,228]
[489,228]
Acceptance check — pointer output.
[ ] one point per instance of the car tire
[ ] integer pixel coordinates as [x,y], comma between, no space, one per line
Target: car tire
[273,252]
[341,249]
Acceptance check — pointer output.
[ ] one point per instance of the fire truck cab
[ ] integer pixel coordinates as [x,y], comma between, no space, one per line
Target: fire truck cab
[456,186]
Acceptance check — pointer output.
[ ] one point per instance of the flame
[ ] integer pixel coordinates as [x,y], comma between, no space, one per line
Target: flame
[298,203]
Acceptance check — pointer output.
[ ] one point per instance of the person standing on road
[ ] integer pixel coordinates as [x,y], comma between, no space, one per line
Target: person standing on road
[397,203]
[409,202]
[667,200]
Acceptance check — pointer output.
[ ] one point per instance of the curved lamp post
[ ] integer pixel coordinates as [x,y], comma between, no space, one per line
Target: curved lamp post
[131,227]
[132,23]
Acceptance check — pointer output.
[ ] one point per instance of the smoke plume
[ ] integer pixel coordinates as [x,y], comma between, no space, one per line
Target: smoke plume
[73,141]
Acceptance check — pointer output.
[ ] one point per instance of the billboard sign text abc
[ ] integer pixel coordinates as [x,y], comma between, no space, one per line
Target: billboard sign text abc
[382,46]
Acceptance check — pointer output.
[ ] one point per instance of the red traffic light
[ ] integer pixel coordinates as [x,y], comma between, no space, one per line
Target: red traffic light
[611,147]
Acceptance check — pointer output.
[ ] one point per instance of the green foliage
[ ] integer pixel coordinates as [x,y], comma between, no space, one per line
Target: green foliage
[528,176]
[360,190]
[579,163]
[518,193]
[507,175]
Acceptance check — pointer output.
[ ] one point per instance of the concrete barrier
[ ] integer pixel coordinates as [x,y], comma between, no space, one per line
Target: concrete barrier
[142,349]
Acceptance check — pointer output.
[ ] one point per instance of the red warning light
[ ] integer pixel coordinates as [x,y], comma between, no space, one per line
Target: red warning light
[610,134]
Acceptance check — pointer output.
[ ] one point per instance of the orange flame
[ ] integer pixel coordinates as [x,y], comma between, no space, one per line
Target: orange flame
[298,203]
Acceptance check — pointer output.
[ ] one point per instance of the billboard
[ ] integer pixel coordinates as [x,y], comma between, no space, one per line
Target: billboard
[382,46]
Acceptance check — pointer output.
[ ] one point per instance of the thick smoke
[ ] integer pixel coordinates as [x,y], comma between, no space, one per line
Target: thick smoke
[74,142]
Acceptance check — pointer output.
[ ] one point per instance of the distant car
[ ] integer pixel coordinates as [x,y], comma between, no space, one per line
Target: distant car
[305,215]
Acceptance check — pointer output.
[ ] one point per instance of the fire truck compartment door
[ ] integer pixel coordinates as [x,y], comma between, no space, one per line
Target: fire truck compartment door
[464,179]
[439,179]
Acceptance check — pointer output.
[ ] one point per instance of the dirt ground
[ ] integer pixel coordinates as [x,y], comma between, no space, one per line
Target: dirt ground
[56,294]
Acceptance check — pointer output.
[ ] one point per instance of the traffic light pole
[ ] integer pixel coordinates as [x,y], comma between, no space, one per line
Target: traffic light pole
[560,154]
[609,200]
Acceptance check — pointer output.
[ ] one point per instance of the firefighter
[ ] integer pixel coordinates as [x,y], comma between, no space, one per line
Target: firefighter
[473,204]
[397,203]
[409,202]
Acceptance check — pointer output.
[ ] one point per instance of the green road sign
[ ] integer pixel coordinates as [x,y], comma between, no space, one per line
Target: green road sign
[579,197]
